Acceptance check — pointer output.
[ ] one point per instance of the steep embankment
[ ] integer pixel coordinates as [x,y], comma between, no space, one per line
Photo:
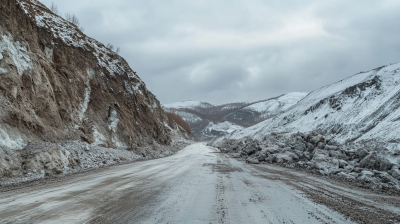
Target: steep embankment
[363,107]
[58,85]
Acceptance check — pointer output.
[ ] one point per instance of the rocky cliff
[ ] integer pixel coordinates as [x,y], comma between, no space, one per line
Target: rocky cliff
[58,85]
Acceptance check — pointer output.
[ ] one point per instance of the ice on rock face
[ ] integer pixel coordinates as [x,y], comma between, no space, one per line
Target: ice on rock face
[98,137]
[3,71]
[17,52]
[10,141]
[113,121]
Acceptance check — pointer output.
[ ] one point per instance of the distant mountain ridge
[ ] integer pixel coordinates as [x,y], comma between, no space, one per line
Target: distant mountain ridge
[203,117]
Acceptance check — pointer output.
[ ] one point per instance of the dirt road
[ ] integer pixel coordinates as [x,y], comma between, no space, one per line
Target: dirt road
[197,185]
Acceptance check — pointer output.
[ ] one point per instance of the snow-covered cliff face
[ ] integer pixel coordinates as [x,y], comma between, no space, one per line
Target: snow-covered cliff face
[57,85]
[363,107]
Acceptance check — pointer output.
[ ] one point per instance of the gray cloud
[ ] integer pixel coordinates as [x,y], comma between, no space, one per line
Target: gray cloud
[226,51]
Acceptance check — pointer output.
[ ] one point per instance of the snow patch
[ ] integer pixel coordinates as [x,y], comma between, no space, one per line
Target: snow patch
[85,103]
[64,158]
[136,88]
[17,52]
[49,53]
[3,71]
[113,120]
[118,143]
[11,141]
[15,92]
[128,87]
[90,73]
[1,56]
[98,137]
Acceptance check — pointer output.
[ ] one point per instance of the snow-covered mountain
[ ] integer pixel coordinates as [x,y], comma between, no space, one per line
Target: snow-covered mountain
[278,104]
[363,107]
[187,104]
[214,129]
[200,115]
[259,111]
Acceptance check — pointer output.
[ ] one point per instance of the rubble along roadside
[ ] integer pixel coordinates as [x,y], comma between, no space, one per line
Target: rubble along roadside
[365,165]
[46,161]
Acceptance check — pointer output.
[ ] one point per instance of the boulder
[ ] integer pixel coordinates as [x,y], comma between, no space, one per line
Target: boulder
[316,139]
[342,164]
[395,173]
[331,147]
[375,161]
[386,178]
[361,153]
[321,145]
[337,155]
[250,150]
[252,160]
[300,147]
[272,149]
[283,158]
[261,157]
[323,162]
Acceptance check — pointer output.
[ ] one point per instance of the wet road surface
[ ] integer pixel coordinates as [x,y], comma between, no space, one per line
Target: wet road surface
[196,185]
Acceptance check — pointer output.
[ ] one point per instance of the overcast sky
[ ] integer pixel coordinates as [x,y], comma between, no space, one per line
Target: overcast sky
[222,51]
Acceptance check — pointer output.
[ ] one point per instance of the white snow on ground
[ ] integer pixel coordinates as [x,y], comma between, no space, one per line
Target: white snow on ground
[10,140]
[185,104]
[361,107]
[282,103]
[17,52]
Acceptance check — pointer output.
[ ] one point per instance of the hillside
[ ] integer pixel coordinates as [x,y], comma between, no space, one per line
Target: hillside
[60,86]
[347,130]
[203,117]
[361,108]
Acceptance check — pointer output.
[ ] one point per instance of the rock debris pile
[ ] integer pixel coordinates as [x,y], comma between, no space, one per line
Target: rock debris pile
[369,165]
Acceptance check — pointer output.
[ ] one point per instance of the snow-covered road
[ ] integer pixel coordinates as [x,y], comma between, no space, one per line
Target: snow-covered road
[196,185]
